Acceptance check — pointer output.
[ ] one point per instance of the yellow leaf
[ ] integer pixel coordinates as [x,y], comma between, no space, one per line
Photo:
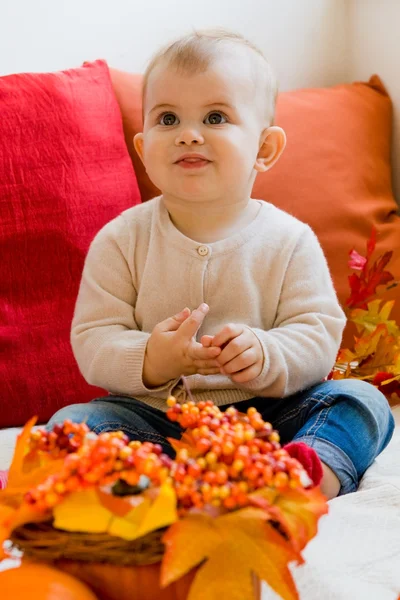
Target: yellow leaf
[87,511]
[82,511]
[162,512]
[235,546]
[127,527]
[368,320]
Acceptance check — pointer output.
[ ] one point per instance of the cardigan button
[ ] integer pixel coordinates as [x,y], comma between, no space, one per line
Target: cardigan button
[203,250]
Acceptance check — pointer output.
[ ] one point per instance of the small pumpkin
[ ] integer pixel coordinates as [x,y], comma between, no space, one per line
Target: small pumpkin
[113,582]
[38,581]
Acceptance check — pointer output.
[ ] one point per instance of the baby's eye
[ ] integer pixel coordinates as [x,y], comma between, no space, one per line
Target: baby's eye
[168,119]
[215,118]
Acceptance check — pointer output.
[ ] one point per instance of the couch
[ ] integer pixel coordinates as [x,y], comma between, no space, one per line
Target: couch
[68,166]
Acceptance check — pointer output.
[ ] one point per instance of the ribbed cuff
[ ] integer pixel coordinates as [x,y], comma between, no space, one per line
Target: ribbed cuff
[134,362]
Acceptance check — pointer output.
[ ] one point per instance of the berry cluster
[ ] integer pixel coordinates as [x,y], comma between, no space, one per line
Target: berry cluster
[100,460]
[60,441]
[222,458]
[227,456]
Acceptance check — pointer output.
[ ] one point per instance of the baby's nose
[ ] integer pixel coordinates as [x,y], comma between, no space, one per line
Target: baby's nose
[189,136]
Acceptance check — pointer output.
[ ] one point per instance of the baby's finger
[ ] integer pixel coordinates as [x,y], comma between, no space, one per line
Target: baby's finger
[243,361]
[206,364]
[198,352]
[208,371]
[192,324]
[234,348]
[227,333]
[247,374]
[206,340]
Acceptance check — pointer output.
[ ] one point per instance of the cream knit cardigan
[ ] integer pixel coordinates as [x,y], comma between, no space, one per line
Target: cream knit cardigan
[271,276]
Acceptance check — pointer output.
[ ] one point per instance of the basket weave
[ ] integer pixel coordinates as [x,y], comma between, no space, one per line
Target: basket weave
[43,542]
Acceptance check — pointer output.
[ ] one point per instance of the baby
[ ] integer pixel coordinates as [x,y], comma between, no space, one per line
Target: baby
[206,282]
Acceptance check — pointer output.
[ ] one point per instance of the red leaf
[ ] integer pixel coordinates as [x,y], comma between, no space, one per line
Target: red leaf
[356,261]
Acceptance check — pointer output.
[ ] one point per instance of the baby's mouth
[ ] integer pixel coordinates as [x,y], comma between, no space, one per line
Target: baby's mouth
[192,162]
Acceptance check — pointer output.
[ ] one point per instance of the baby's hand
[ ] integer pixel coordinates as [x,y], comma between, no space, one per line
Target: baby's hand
[172,349]
[242,355]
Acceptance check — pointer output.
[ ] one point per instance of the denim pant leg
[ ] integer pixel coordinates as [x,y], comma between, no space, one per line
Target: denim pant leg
[112,413]
[348,423]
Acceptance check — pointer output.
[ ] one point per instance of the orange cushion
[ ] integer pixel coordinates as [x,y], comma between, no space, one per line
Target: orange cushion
[334,174]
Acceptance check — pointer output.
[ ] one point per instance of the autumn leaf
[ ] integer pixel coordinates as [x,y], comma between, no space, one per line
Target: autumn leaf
[11,518]
[297,511]
[24,473]
[368,320]
[387,384]
[364,346]
[90,511]
[186,441]
[357,262]
[82,511]
[235,547]
[363,286]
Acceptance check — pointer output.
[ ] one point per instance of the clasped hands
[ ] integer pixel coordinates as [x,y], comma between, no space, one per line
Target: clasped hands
[172,350]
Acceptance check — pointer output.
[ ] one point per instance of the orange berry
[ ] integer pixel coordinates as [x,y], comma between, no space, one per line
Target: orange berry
[221,476]
[182,455]
[249,434]
[204,430]
[281,480]
[211,458]
[203,445]
[228,448]
[224,492]
[238,465]
[242,499]
[60,488]
[210,477]
[171,401]
[51,499]
[229,502]
[216,502]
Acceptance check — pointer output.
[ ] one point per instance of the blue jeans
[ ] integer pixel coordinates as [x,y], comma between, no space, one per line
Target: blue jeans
[347,422]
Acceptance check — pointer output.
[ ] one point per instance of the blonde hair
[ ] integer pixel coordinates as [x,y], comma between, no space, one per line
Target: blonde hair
[194,52]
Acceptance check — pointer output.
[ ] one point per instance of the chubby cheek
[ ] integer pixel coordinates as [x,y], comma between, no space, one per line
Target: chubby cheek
[238,155]
[156,162]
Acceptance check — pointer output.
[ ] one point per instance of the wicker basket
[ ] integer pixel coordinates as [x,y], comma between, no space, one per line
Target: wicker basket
[42,542]
[113,568]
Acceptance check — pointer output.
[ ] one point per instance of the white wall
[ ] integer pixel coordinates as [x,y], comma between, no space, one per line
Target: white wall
[305,40]
[375,48]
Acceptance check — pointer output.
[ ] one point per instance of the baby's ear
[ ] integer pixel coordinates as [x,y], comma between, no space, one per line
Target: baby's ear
[273,142]
[138,144]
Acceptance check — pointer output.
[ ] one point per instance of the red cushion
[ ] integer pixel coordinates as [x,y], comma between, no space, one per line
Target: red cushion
[64,172]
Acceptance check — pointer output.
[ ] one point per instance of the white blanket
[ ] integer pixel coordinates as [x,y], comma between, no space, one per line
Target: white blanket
[356,554]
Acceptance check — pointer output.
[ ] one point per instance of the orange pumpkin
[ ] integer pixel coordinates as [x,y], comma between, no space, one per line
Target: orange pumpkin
[38,581]
[113,582]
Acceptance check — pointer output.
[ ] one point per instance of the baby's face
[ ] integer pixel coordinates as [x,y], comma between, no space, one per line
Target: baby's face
[202,132]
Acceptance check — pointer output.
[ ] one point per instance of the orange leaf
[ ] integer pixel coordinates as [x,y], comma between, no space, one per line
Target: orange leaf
[24,473]
[297,511]
[235,546]
[11,518]
[21,446]
[114,504]
[186,441]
